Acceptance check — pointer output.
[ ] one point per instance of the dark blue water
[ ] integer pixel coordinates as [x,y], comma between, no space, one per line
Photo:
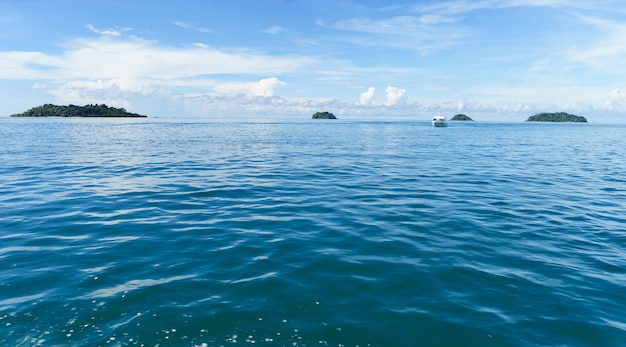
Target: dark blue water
[311,233]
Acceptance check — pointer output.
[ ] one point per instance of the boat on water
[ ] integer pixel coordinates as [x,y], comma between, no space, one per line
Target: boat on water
[440,121]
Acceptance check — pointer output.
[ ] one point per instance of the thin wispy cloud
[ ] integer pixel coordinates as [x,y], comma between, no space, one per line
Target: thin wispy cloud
[423,33]
[608,49]
[8,18]
[190,26]
[274,30]
[463,7]
[107,32]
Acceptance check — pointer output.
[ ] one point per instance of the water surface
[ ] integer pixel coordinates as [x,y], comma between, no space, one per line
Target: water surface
[119,232]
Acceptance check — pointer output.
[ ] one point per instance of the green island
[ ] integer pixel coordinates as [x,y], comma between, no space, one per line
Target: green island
[556,117]
[461,116]
[324,115]
[49,110]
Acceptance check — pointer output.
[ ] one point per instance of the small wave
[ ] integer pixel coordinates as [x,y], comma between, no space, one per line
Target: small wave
[130,286]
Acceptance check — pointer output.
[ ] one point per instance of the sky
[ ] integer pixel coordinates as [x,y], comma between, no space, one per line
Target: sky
[489,59]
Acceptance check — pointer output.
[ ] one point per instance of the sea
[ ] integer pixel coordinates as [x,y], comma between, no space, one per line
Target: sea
[198,232]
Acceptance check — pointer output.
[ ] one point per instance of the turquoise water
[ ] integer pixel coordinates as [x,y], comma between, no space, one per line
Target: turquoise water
[311,233]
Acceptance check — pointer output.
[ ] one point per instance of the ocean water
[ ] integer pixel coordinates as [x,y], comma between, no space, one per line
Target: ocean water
[168,232]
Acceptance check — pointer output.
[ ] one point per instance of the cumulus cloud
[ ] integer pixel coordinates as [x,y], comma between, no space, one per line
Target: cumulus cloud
[264,87]
[614,99]
[461,105]
[466,104]
[395,96]
[367,98]
[615,94]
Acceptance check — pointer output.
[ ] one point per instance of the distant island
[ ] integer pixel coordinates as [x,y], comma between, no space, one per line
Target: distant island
[49,110]
[461,116]
[556,117]
[324,115]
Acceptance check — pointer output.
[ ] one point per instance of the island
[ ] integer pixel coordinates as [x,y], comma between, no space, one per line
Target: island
[556,117]
[461,116]
[324,115]
[49,110]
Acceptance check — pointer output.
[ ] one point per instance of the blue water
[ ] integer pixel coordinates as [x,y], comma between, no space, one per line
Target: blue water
[173,232]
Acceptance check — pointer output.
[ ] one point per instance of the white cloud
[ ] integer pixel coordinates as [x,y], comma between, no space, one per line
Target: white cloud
[425,33]
[127,72]
[28,65]
[273,30]
[615,94]
[395,96]
[521,107]
[460,7]
[190,26]
[96,92]
[466,104]
[614,99]
[136,59]
[106,32]
[461,105]
[259,106]
[264,87]
[367,97]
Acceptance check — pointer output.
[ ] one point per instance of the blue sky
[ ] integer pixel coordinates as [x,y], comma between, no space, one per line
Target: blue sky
[492,60]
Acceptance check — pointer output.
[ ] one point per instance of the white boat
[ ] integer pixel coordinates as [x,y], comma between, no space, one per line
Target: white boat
[440,121]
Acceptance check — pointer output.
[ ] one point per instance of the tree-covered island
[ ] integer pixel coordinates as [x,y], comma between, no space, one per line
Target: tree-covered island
[556,117]
[49,110]
[324,115]
[461,116]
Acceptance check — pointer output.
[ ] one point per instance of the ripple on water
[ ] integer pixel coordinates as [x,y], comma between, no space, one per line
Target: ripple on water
[232,234]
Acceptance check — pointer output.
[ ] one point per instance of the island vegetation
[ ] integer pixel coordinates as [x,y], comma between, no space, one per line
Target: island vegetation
[49,110]
[556,117]
[324,115]
[461,116]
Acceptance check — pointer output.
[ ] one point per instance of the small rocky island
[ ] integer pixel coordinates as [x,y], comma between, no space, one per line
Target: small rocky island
[556,117]
[49,110]
[462,117]
[324,115]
